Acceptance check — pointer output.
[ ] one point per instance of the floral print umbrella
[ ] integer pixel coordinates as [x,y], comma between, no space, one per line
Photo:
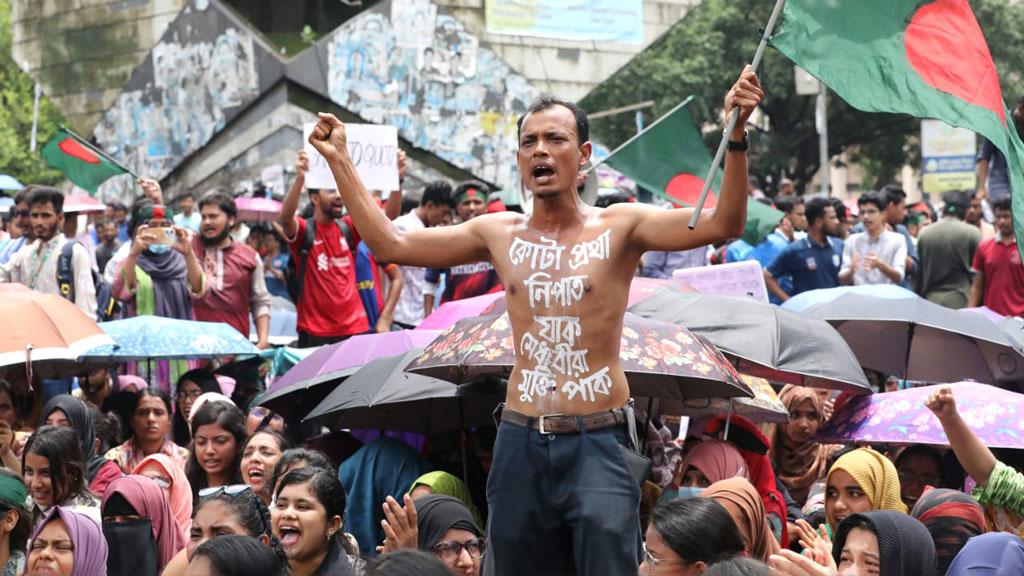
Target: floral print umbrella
[660,360]
[996,416]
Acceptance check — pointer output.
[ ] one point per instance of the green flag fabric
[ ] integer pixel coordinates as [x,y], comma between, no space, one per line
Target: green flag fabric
[669,159]
[86,168]
[924,58]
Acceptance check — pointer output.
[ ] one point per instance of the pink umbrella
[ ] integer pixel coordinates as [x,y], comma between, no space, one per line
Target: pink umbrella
[449,313]
[82,203]
[996,415]
[257,209]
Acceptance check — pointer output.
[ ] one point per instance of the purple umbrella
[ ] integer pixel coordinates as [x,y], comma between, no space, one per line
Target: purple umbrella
[303,387]
[996,416]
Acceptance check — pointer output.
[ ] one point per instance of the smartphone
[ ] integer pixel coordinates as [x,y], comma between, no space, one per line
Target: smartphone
[165,236]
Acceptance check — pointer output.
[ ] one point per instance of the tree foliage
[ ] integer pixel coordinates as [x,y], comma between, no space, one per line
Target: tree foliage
[704,53]
[16,102]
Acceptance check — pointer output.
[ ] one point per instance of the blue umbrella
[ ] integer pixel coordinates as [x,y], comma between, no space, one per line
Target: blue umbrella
[155,337]
[9,183]
[811,298]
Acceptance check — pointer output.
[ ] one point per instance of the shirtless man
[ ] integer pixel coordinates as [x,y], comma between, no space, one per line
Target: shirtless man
[562,499]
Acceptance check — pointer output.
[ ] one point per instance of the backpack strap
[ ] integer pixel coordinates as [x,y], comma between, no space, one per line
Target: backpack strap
[307,245]
[346,231]
[65,271]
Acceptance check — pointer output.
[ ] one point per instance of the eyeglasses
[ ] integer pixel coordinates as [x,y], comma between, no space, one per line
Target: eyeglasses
[909,477]
[20,213]
[653,562]
[449,551]
[232,490]
[190,395]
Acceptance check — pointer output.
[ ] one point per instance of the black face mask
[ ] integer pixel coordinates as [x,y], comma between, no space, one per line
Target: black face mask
[131,549]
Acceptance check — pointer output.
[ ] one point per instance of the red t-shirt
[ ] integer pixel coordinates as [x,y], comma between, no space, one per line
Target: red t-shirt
[1000,264]
[330,303]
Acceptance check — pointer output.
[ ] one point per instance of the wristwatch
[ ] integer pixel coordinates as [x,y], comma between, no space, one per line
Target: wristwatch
[740,146]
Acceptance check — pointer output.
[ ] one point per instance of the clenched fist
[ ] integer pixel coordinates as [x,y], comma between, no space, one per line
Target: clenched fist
[747,94]
[942,404]
[328,137]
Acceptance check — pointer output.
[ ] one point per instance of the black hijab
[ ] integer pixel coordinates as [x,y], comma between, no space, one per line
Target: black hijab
[437,514]
[133,550]
[905,547]
[81,422]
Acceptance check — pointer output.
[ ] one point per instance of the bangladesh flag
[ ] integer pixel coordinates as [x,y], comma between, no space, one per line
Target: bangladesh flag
[669,159]
[79,161]
[924,58]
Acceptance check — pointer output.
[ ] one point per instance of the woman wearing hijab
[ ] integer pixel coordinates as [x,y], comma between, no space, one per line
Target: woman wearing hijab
[141,532]
[66,410]
[744,504]
[704,464]
[67,543]
[447,528]
[860,481]
[440,482]
[382,468]
[174,483]
[799,460]
[952,518]
[900,544]
[992,554]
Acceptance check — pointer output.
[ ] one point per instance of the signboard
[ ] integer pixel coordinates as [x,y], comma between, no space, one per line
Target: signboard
[947,157]
[374,151]
[592,21]
[732,279]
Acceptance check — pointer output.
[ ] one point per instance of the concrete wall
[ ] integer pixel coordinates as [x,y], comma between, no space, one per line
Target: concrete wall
[567,69]
[84,51]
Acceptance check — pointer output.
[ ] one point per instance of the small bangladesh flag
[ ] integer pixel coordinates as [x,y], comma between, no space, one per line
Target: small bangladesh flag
[79,161]
[669,159]
[924,58]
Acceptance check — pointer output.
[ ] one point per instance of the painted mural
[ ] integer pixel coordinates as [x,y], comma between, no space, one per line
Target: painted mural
[424,72]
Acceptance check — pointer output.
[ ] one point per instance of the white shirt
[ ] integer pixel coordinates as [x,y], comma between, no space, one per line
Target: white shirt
[409,309]
[890,247]
[35,266]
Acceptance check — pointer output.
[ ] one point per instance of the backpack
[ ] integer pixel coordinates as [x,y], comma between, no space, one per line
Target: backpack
[295,272]
[106,304]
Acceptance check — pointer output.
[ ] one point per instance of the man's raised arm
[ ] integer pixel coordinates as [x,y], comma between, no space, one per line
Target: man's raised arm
[440,247]
[667,230]
[291,200]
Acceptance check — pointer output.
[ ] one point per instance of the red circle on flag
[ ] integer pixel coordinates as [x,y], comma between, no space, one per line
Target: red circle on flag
[945,46]
[686,188]
[72,148]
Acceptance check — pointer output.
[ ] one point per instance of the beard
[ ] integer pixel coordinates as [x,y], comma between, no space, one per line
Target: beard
[216,240]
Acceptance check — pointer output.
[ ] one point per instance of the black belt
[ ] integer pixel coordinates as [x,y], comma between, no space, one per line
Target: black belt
[563,424]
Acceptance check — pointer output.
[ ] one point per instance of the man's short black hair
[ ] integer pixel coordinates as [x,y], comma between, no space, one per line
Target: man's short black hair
[875,198]
[893,194]
[187,194]
[222,200]
[956,203]
[1004,203]
[786,204]
[438,192]
[547,101]
[119,207]
[617,197]
[816,208]
[839,207]
[47,195]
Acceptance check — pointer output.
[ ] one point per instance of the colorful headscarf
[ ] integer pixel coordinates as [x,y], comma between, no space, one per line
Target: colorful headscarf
[875,475]
[180,497]
[952,518]
[741,499]
[716,460]
[992,554]
[147,498]
[90,556]
[799,466]
[441,482]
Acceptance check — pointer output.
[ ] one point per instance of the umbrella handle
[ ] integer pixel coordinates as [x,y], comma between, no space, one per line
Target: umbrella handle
[28,366]
[728,421]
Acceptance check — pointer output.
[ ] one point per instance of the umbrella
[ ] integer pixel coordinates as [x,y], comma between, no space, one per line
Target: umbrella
[5,204]
[449,313]
[765,406]
[985,311]
[1013,327]
[811,298]
[381,395]
[283,318]
[994,414]
[660,360]
[762,339]
[53,327]
[8,182]
[82,203]
[919,340]
[309,381]
[257,209]
[148,337]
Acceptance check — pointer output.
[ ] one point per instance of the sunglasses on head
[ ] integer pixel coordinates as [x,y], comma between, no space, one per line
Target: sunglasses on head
[232,490]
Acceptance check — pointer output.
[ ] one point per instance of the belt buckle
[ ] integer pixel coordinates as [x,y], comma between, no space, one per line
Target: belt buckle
[540,422]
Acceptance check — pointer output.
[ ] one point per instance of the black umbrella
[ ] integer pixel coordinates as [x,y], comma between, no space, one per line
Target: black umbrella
[762,339]
[381,395]
[919,340]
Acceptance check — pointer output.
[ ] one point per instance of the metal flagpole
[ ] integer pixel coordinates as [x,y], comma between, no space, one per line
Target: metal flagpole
[35,117]
[734,117]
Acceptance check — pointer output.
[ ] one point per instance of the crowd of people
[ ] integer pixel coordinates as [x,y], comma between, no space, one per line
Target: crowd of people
[145,470]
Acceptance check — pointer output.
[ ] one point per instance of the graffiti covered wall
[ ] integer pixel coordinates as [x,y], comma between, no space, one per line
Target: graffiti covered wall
[202,73]
[407,64]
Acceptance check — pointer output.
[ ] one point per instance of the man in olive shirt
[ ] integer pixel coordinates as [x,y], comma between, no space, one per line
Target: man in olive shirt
[946,250]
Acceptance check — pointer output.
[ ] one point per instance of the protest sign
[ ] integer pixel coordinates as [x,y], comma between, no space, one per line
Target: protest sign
[733,279]
[374,151]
